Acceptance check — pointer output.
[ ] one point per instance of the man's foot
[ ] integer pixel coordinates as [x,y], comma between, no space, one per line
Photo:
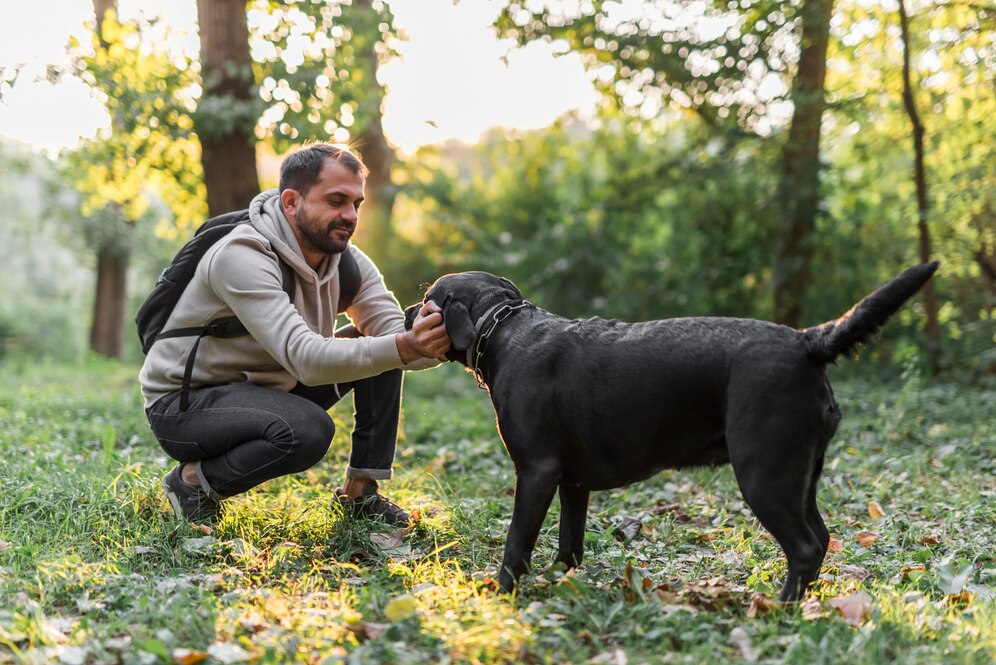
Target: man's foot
[190,502]
[372,504]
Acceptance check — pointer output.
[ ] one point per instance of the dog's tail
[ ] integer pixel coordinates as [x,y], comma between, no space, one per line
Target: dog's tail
[826,342]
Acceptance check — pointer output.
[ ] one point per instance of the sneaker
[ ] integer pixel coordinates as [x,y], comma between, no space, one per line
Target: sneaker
[190,502]
[372,504]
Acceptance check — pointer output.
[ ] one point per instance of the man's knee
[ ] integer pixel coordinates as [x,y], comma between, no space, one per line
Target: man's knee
[304,435]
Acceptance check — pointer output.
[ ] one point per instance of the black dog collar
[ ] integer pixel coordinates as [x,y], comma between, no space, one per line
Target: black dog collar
[495,315]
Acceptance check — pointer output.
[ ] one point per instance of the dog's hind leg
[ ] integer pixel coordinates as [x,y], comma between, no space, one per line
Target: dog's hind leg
[573,514]
[778,486]
[534,490]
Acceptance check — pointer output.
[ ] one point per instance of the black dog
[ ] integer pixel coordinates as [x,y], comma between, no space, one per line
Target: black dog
[593,404]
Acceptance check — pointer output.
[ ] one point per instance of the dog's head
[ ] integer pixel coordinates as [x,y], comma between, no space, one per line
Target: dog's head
[464,297]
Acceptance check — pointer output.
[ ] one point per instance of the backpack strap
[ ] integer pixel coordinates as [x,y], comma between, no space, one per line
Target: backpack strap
[349,280]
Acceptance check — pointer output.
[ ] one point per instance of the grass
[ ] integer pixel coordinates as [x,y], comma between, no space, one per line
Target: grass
[94,570]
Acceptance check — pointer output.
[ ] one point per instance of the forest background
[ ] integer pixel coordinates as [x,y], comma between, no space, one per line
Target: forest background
[765,159]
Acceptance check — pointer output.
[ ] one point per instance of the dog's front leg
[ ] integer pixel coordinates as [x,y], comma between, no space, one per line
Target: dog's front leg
[573,513]
[534,490]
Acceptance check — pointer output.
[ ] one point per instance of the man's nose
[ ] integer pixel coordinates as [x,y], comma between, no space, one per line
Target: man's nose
[351,214]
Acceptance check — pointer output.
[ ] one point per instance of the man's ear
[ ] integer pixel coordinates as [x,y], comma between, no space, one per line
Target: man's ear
[459,327]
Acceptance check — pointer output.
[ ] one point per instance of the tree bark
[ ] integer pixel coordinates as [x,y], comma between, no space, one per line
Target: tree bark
[228,144]
[111,292]
[107,327]
[922,200]
[800,185]
[375,232]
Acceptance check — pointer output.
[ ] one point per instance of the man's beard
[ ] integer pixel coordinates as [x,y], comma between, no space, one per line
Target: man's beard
[321,235]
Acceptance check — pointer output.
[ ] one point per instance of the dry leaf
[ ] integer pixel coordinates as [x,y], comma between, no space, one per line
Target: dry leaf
[960,599]
[912,571]
[875,510]
[858,573]
[855,608]
[188,656]
[253,623]
[931,539]
[389,540]
[203,528]
[741,639]
[835,545]
[627,530]
[367,631]
[761,604]
[811,609]
[4,546]
[866,538]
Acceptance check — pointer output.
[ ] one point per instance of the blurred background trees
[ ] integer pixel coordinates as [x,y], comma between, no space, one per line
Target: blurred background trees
[749,158]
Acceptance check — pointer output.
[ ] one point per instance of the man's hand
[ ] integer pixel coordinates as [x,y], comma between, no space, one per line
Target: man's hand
[427,338]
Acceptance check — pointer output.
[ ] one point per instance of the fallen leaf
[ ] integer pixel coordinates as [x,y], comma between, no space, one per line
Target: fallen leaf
[835,545]
[875,510]
[849,572]
[912,571]
[188,656]
[961,599]
[400,608]
[811,609]
[253,623]
[367,631]
[627,530]
[741,639]
[4,546]
[228,653]
[199,545]
[203,528]
[866,538]
[761,604]
[389,540]
[931,539]
[855,608]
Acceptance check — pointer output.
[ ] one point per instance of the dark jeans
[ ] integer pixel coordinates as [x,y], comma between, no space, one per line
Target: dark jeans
[244,435]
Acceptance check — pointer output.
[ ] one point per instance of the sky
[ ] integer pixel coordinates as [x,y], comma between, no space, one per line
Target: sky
[449,83]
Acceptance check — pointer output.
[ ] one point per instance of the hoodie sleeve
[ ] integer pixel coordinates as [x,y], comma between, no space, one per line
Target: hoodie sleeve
[375,311]
[246,277]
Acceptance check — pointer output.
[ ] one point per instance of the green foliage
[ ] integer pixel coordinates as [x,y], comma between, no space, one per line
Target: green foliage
[43,308]
[607,222]
[726,61]
[312,59]
[93,569]
[149,153]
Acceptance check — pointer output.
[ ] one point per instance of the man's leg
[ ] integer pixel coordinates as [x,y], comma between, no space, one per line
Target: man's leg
[377,410]
[236,436]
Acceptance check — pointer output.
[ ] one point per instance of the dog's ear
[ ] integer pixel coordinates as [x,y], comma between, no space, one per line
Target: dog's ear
[459,327]
[507,282]
[410,313]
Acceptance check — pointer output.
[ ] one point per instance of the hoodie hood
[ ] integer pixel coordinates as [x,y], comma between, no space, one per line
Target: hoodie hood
[266,214]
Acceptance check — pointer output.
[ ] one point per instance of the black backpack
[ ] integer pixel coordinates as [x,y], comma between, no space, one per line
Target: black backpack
[159,304]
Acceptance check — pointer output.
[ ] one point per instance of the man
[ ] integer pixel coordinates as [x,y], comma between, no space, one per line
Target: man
[257,404]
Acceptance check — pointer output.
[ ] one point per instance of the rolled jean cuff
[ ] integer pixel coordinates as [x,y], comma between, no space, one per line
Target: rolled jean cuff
[369,474]
[205,485]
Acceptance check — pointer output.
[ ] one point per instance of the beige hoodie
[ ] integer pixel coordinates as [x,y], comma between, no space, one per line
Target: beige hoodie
[287,343]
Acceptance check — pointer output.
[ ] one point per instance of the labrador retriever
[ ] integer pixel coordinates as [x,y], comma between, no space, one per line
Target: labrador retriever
[596,404]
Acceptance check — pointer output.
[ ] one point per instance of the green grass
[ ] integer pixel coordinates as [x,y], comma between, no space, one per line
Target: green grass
[94,570]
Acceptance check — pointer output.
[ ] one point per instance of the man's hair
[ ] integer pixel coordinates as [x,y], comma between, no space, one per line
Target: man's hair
[301,168]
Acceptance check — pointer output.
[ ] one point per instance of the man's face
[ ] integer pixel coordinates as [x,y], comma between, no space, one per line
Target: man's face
[326,216]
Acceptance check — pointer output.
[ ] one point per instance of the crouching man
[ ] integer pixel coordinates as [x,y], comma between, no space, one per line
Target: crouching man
[238,411]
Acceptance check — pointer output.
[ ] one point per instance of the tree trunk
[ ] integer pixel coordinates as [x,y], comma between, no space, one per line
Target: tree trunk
[375,233]
[922,202]
[111,292]
[226,120]
[107,327]
[800,185]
